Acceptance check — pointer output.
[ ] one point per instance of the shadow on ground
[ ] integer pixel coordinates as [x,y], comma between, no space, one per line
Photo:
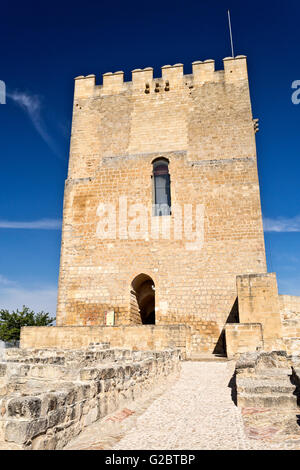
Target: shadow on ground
[232,385]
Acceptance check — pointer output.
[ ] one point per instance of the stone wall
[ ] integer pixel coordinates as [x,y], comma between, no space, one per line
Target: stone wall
[258,303]
[203,124]
[49,396]
[139,337]
[289,307]
[290,315]
[268,321]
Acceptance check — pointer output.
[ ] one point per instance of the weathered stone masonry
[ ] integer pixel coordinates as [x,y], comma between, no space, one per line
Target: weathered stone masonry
[49,396]
[134,337]
[268,394]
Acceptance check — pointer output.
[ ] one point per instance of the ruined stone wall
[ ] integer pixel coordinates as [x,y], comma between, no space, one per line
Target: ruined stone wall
[47,397]
[290,319]
[202,123]
[290,314]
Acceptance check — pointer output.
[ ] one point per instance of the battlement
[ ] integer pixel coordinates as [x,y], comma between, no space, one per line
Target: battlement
[172,78]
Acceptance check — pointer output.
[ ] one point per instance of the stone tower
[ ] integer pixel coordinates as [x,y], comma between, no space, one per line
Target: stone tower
[186,142]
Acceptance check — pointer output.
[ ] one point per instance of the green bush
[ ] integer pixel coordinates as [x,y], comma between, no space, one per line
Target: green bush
[11,323]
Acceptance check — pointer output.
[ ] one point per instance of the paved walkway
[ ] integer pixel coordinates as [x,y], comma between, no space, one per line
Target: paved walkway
[196,412]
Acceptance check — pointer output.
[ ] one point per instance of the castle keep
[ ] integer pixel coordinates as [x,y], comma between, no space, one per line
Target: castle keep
[162,241]
[162,260]
[201,125]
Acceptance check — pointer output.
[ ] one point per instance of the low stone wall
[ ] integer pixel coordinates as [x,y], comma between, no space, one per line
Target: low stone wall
[292,346]
[289,307]
[49,396]
[243,337]
[136,337]
[290,320]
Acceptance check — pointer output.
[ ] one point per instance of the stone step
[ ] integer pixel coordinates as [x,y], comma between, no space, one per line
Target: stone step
[250,386]
[287,401]
[206,357]
[272,373]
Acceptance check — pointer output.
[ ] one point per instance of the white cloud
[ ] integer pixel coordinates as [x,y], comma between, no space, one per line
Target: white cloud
[32,106]
[6,282]
[42,224]
[282,224]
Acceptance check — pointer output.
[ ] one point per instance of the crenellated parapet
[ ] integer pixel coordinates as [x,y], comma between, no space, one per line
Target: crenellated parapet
[173,74]
[172,77]
[235,68]
[203,71]
[113,82]
[141,78]
[84,86]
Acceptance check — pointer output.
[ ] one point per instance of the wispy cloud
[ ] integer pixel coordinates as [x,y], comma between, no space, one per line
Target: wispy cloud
[282,224]
[32,106]
[4,281]
[42,224]
[289,285]
[39,298]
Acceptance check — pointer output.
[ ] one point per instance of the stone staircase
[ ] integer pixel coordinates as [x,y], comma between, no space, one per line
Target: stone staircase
[268,390]
[207,357]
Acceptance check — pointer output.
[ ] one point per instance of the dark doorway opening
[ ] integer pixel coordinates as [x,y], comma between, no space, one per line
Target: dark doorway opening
[144,290]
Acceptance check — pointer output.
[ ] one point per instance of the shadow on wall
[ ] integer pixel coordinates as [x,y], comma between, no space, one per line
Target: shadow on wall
[233,317]
[143,288]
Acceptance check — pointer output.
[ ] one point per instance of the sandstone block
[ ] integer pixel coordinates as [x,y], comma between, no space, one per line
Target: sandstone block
[24,407]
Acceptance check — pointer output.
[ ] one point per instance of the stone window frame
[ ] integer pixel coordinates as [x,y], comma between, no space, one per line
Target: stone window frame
[156,211]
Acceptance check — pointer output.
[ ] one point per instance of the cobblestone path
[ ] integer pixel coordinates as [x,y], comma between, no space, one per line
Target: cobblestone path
[197,412]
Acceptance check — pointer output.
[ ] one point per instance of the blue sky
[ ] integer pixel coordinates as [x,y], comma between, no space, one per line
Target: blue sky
[44,45]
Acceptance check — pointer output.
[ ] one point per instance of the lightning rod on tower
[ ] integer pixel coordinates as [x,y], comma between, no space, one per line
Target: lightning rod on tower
[230,31]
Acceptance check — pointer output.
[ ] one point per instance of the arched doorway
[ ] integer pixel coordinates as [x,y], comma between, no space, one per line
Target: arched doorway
[143,296]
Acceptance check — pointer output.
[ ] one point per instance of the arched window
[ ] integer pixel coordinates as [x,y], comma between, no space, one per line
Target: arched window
[161,187]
